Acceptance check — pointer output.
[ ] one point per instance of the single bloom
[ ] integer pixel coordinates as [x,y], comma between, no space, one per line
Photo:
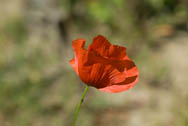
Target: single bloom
[103,65]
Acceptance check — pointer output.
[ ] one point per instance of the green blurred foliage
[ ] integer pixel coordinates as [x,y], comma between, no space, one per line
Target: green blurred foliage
[102,10]
[15,30]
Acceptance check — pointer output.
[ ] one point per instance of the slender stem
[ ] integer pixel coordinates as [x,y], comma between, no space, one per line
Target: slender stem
[78,107]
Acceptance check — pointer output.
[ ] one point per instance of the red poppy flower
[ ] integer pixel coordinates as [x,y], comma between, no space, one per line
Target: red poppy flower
[103,65]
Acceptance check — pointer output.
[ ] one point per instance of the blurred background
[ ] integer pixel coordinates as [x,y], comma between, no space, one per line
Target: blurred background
[38,87]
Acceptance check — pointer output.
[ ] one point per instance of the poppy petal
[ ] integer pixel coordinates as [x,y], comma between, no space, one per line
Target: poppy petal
[77,45]
[132,72]
[72,62]
[119,88]
[97,71]
[101,45]
[131,79]
[99,75]
[104,66]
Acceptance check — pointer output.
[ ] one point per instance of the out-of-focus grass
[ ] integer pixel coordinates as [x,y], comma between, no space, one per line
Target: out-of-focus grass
[15,29]
[181,113]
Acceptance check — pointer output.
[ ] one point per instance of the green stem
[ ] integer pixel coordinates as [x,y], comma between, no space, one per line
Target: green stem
[78,107]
